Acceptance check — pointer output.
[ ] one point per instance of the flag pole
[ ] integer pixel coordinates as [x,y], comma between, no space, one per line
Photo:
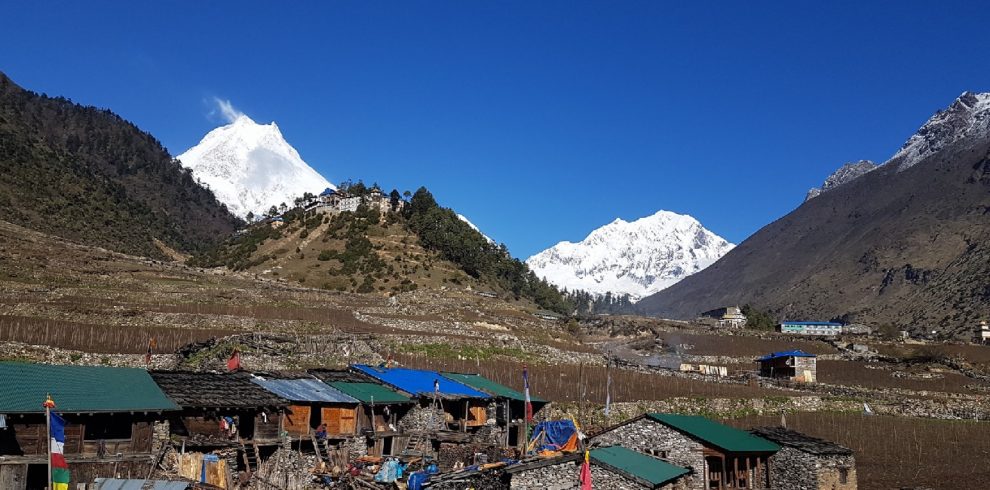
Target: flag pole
[48,427]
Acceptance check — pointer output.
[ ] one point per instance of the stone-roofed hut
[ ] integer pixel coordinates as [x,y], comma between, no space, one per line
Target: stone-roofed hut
[720,457]
[808,463]
[211,401]
[110,414]
[612,468]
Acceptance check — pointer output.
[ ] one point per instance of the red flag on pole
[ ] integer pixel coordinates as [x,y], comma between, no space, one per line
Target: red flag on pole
[586,472]
[234,363]
[529,402]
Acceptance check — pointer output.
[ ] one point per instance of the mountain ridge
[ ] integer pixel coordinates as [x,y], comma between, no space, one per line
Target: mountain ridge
[905,244]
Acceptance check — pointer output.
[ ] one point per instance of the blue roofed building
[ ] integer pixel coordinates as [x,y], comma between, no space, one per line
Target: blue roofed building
[792,365]
[826,329]
[462,406]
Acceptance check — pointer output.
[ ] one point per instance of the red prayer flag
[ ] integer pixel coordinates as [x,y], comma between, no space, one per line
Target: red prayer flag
[234,363]
[586,472]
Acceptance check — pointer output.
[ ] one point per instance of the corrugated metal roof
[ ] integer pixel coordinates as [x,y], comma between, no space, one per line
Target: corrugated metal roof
[23,388]
[786,353]
[370,392]
[719,435]
[637,465]
[420,381]
[119,484]
[482,383]
[304,390]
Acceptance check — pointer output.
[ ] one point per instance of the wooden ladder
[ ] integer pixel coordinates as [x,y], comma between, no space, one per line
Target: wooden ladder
[250,456]
[317,446]
[415,442]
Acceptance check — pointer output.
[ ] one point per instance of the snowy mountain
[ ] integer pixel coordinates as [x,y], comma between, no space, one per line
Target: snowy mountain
[250,167]
[473,227]
[845,174]
[637,258]
[968,115]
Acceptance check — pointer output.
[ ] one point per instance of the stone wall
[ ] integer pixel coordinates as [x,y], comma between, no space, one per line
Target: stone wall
[567,475]
[647,436]
[798,470]
[419,418]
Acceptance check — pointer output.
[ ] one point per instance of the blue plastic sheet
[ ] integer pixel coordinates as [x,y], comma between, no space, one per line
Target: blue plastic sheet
[417,479]
[557,432]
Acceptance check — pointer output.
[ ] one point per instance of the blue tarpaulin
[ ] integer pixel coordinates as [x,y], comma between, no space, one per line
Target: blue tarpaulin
[419,381]
[555,434]
[786,353]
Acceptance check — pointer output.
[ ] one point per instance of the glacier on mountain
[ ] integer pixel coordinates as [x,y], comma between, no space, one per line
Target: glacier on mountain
[250,167]
[637,258]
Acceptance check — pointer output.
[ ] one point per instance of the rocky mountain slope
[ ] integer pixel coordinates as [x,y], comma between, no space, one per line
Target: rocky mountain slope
[843,175]
[251,167]
[637,258]
[907,244]
[85,174]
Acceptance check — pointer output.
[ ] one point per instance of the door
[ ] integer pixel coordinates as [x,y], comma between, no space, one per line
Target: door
[340,420]
[297,422]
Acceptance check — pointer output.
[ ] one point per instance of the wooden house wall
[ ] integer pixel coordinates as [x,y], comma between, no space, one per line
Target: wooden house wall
[31,437]
[266,431]
[297,422]
[340,420]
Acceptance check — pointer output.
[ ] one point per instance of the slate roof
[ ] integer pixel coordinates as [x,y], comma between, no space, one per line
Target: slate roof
[486,385]
[786,353]
[636,465]
[213,390]
[715,434]
[75,389]
[303,390]
[419,382]
[801,442]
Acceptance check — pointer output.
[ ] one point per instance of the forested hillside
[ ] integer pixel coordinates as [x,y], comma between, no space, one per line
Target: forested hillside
[88,175]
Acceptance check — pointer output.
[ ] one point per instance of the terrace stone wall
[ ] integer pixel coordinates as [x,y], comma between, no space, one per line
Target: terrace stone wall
[654,438]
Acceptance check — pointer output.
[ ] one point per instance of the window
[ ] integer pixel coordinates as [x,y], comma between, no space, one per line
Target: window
[107,427]
[843,475]
[659,453]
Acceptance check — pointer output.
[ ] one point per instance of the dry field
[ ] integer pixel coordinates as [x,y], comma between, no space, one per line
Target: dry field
[855,373]
[740,345]
[897,452]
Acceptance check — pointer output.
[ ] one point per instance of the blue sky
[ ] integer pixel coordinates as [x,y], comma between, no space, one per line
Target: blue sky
[538,120]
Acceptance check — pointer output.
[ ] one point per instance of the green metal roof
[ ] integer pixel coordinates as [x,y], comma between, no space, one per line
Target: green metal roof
[23,388]
[486,385]
[714,433]
[637,465]
[366,392]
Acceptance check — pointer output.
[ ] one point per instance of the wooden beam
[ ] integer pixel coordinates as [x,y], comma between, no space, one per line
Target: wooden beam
[749,473]
[735,471]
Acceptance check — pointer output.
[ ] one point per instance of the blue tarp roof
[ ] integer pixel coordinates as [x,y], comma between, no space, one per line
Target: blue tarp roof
[419,381]
[830,324]
[786,353]
[304,390]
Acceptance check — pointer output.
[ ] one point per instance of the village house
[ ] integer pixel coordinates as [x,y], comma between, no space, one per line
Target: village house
[380,412]
[823,329]
[612,468]
[312,404]
[792,365]
[444,404]
[508,406]
[111,416]
[808,463]
[982,333]
[223,411]
[719,456]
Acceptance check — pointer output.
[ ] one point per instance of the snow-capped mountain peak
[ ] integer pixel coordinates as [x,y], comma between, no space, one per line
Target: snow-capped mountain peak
[250,167]
[637,258]
[474,227]
[969,114]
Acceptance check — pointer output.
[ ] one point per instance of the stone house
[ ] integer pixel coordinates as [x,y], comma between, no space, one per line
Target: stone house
[808,463]
[507,407]
[982,333]
[719,456]
[612,468]
[793,365]
[732,318]
[111,417]
[822,329]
